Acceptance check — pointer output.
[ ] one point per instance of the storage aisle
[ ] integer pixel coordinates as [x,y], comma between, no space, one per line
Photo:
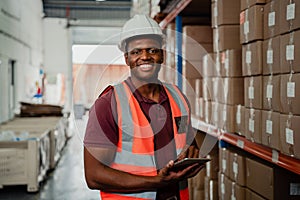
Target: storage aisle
[65,182]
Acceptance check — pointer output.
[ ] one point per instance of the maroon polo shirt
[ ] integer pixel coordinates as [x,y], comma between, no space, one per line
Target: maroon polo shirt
[102,128]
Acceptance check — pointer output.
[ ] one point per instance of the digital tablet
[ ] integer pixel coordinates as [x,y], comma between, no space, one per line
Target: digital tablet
[184,163]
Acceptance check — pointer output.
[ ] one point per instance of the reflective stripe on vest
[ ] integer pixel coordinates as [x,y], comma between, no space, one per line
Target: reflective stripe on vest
[135,152]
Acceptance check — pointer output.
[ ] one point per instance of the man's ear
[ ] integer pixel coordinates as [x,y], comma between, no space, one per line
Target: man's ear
[126,58]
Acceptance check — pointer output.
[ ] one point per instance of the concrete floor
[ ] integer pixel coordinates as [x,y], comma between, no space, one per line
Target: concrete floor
[66,182]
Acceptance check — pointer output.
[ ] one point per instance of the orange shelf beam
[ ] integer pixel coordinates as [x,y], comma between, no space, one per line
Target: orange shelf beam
[266,153]
[179,7]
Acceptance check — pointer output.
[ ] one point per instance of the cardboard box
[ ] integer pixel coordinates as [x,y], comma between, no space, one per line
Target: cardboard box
[195,51]
[240,120]
[226,37]
[252,58]
[192,69]
[251,24]
[198,34]
[192,86]
[209,65]
[198,180]
[192,101]
[216,90]
[253,92]
[212,167]
[290,51]
[227,117]
[270,129]
[231,63]
[271,94]
[272,19]
[248,3]
[211,189]
[237,171]
[271,182]
[225,12]
[290,15]
[214,113]
[253,125]
[207,89]
[198,194]
[237,191]
[290,135]
[290,93]
[231,91]
[224,161]
[271,56]
[224,187]
[207,111]
[250,195]
[199,112]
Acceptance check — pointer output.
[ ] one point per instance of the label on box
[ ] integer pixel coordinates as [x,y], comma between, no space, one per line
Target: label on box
[290,89]
[240,144]
[222,188]
[269,91]
[270,57]
[290,49]
[251,125]
[289,136]
[294,189]
[215,11]
[242,17]
[269,127]
[248,57]
[226,65]
[235,167]
[224,115]
[275,156]
[290,11]
[238,117]
[271,19]
[251,92]
[246,27]
[223,165]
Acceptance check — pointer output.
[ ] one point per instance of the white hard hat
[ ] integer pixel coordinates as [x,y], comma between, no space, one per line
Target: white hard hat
[137,26]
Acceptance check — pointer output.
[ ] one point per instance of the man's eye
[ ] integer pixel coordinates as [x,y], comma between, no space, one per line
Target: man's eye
[153,51]
[135,52]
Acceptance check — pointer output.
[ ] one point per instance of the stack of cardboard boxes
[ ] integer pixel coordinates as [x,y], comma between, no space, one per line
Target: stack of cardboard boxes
[271,69]
[244,177]
[196,42]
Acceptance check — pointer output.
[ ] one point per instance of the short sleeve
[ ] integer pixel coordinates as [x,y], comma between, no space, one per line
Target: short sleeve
[101,130]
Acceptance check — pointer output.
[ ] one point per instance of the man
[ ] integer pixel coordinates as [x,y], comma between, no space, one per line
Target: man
[137,128]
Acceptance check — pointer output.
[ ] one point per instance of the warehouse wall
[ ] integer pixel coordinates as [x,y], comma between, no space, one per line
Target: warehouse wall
[21,39]
[58,56]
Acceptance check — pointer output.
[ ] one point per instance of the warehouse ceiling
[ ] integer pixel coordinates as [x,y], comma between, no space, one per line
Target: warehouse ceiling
[95,20]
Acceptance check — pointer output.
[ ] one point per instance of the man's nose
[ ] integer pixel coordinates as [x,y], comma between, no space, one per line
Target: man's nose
[145,54]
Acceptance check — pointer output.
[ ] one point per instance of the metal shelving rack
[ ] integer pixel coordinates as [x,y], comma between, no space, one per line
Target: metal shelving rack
[266,153]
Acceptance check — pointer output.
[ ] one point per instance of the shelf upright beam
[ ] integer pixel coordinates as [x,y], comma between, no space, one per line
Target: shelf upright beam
[178,33]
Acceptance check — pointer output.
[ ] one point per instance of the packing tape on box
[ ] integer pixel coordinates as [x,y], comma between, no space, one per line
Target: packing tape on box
[218,64]
[269,126]
[270,56]
[269,92]
[252,124]
[289,134]
[233,191]
[246,25]
[235,166]
[290,51]
[226,89]
[251,92]
[291,86]
[290,13]
[271,19]
[248,59]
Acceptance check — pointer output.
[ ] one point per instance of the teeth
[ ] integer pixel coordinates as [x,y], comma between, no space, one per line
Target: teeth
[145,66]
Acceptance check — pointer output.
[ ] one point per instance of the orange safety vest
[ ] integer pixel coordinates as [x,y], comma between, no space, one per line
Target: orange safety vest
[135,151]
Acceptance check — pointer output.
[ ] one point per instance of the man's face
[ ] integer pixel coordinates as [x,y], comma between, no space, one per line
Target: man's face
[144,58]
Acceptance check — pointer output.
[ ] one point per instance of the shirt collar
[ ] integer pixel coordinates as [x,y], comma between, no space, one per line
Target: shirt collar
[162,95]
